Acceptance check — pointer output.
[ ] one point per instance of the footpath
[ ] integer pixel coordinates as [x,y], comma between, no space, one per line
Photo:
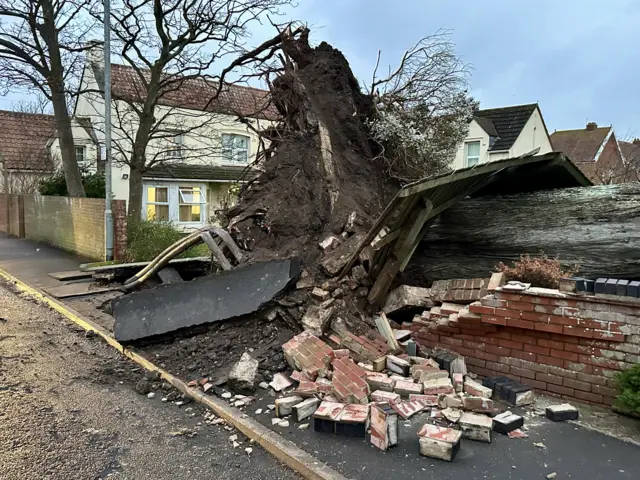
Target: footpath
[564,449]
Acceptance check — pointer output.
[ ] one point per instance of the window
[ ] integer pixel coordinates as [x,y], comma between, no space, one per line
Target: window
[180,203]
[176,146]
[472,153]
[80,154]
[235,148]
[158,203]
[190,204]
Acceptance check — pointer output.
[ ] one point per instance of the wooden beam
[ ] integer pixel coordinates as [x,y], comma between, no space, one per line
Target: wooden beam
[215,250]
[228,241]
[382,284]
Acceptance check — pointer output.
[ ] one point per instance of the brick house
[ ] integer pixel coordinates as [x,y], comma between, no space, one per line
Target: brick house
[631,153]
[506,132]
[30,149]
[595,151]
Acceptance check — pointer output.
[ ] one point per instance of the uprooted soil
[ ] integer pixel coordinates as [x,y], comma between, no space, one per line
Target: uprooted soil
[322,167]
[212,352]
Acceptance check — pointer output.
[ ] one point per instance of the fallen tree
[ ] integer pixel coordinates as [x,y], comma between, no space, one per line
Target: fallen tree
[597,228]
[329,156]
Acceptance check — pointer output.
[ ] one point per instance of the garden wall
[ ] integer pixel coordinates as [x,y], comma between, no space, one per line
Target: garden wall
[561,344]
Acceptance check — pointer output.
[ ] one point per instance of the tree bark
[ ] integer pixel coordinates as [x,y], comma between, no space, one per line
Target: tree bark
[135,192]
[72,175]
[596,227]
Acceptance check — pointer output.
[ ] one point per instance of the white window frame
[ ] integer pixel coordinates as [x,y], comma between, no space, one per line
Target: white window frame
[176,146]
[83,149]
[173,197]
[466,153]
[230,159]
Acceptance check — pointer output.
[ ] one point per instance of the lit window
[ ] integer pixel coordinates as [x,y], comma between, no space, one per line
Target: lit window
[80,154]
[235,148]
[158,203]
[190,204]
[472,153]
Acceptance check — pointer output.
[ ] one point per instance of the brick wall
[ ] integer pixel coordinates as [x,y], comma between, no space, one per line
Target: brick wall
[120,229]
[561,344]
[13,226]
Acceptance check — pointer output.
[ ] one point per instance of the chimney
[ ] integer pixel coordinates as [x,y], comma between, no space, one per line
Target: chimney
[591,126]
[95,53]
[636,141]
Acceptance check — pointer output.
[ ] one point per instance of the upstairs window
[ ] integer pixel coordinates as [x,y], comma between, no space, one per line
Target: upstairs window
[472,153]
[235,148]
[81,156]
[176,146]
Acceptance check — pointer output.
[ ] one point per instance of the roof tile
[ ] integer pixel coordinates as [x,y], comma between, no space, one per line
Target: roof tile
[24,138]
[506,123]
[582,145]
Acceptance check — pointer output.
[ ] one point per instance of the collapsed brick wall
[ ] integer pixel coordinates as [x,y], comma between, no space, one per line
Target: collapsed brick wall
[559,344]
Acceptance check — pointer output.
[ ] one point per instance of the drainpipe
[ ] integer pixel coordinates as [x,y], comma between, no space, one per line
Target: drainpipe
[108,213]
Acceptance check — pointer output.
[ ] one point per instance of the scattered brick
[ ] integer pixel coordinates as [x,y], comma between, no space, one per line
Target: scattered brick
[476,389]
[449,401]
[477,404]
[476,427]
[407,387]
[308,353]
[398,365]
[284,406]
[385,397]
[384,427]
[439,442]
[561,413]
[407,409]
[305,408]
[379,381]
[507,422]
[438,386]
[349,382]
[426,400]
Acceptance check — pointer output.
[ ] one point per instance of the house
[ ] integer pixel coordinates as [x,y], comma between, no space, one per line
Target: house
[195,164]
[499,133]
[631,154]
[595,151]
[30,149]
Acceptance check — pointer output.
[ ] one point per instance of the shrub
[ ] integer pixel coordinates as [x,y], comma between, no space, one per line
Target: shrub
[629,384]
[56,185]
[146,239]
[540,271]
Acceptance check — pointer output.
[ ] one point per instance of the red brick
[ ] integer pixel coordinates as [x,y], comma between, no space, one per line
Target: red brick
[564,302]
[498,350]
[613,337]
[548,309]
[537,299]
[607,363]
[531,357]
[501,334]
[536,349]
[483,371]
[512,322]
[505,312]
[543,342]
[561,320]
[465,351]
[547,377]
[524,339]
[511,297]
[589,397]
[584,349]
[451,341]
[558,362]
[577,332]
[490,319]
[476,362]
[593,379]
[535,317]
[537,384]
[570,392]
[489,357]
[605,391]
[521,306]
[523,372]
[577,384]
[510,344]
[564,355]
[547,327]
[473,345]
[608,400]
[481,309]
[578,367]
[498,367]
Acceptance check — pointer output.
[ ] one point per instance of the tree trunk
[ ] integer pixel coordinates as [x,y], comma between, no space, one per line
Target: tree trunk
[135,193]
[595,227]
[67,148]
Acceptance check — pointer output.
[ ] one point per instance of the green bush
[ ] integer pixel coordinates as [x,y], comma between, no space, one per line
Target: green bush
[629,385]
[146,239]
[56,185]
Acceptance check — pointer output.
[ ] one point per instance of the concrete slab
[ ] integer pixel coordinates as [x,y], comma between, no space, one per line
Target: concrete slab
[205,300]
[75,290]
[70,275]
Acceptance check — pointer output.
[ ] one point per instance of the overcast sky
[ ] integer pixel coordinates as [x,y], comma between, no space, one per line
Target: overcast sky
[580,59]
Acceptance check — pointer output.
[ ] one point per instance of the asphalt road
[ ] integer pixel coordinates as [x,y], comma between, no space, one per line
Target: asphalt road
[69,410]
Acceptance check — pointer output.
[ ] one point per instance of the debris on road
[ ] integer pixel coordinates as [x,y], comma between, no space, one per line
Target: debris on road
[561,413]
[243,374]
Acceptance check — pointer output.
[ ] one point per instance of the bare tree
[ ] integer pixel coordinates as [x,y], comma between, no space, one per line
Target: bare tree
[39,45]
[171,45]
[423,109]
[38,103]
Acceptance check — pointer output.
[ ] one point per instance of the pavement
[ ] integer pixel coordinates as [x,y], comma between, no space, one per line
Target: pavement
[568,450]
[69,410]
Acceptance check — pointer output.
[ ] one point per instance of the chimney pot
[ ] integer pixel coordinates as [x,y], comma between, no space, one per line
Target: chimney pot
[592,126]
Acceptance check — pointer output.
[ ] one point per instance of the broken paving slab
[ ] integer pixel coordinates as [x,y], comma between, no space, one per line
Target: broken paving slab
[204,300]
[406,298]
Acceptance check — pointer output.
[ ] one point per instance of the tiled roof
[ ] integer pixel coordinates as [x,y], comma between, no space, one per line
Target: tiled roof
[195,94]
[580,146]
[630,151]
[230,173]
[507,123]
[24,138]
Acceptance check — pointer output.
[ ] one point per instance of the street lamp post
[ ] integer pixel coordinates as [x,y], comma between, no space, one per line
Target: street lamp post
[108,213]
